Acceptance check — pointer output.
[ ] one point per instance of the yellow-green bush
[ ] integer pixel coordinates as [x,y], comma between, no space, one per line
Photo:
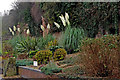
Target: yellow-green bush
[59,54]
[43,56]
[51,44]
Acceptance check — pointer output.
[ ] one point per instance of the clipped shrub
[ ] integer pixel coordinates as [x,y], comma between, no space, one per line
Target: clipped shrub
[101,56]
[59,54]
[50,68]
[71,39]
[43,56]
[24,62]
[32,53]
[22,56]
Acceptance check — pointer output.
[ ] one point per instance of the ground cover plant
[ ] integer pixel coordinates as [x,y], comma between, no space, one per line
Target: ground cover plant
[50,68]
[24,62]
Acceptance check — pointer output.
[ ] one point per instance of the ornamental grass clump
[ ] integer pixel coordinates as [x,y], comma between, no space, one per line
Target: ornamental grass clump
[71,39]
[101,56]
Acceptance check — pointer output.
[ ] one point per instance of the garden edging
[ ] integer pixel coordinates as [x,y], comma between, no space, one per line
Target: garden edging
[27,72]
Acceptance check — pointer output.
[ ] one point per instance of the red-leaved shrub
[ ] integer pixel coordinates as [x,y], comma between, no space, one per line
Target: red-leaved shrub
[101,56]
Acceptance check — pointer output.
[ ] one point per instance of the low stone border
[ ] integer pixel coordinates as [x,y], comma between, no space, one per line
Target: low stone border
[27,72]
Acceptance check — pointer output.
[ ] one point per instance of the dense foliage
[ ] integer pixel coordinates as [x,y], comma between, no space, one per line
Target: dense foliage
[43,42]
[92,16]
[59,54]
[26,45]
[43,56]
[88,15]
[101,56]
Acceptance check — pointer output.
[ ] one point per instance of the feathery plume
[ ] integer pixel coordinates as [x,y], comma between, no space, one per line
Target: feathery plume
[42,27]
[63,20]
[18,29]
[28,31]
[10,29]
[48,26]
[14,28]
[57,25]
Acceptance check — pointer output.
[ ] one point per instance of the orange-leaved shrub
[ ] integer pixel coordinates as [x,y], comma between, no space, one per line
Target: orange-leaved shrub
[101,57]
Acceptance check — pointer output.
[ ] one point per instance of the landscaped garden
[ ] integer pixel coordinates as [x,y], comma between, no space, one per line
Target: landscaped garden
[73,43]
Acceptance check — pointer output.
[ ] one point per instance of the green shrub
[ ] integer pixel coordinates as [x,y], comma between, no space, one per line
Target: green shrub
[30,43]
[50,68]
[43,56]
[24,62]
[32,53]
[15,40]
[71,39]
[101,56]
[43,41]
[59,54]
